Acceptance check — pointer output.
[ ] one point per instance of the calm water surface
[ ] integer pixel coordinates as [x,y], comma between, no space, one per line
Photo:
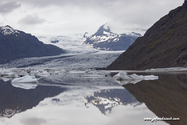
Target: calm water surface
[70,100]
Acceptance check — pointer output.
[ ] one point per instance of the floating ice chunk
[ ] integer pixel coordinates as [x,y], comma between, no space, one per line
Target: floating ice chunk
[136,77]
[123,78]
[26,86]
[25,82]
[43,73]
[21,74]
[25,79]
[150,77]
[7,74]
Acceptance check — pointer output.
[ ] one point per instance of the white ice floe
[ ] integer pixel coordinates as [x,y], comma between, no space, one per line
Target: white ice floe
[25,82]
[7,74]
[25,79]
[26,86]
[123,78]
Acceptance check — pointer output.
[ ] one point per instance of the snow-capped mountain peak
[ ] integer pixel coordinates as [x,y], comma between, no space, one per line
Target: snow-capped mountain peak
[105,39]
[106,27]
[7,30]
[103,30]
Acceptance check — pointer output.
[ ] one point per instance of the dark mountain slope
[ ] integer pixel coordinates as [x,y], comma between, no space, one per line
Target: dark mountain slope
[16,44]
[163,45]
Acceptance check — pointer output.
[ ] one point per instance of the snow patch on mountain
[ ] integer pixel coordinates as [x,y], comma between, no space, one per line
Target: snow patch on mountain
[106,27]
[7,30]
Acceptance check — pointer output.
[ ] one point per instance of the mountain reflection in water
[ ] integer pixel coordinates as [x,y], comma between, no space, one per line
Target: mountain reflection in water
[105,100]
[166,97]
[102,103]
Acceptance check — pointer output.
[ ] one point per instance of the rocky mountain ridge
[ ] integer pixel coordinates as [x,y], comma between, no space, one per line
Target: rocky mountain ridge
[15,44]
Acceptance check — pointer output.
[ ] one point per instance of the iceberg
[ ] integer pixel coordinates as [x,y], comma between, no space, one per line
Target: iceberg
[25,79]
[7,74]
[26,82]
[26,86]
[123,78]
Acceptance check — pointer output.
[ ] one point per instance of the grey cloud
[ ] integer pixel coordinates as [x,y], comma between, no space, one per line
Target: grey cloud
[143,12]
[8,7]
[33,121]
[85,3]
[31,20]
[124,14]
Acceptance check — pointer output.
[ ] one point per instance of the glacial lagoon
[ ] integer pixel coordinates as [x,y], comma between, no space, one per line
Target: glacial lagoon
[75,99]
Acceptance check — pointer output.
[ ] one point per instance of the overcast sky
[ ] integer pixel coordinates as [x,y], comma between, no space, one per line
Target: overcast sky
[63,17]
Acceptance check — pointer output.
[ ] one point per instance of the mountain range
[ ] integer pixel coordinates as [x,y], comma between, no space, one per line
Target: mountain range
[15,44]
[105,39]
[163,45]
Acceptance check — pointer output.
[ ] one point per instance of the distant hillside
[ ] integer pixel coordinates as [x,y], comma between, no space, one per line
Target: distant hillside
[15,44]
[104,39]
[163,45]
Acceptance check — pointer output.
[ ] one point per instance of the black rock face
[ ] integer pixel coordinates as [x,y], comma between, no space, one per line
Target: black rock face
[16,44]
[163,45]
[104,39]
